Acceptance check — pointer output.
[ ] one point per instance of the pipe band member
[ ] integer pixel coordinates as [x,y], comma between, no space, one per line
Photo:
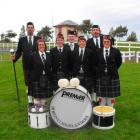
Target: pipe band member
[108,61]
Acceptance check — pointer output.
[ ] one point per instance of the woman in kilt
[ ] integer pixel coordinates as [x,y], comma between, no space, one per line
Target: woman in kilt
[41,74]
[108,61]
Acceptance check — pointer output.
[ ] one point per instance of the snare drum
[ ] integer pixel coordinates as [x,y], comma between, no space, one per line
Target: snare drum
[71,107]
[38,119]
[103,117]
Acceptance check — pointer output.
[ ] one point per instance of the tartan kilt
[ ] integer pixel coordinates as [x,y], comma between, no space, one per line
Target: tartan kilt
[86,82]
[42,88]
[107,87]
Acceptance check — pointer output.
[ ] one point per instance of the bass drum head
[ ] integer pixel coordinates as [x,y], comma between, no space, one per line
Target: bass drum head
[71,108]
[104,110]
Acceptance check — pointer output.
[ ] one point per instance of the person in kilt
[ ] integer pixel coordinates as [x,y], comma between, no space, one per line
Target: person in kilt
[108,61]
[61,61]
[41,75]
[82,64]
[94,44]
[72,44]
[26,46]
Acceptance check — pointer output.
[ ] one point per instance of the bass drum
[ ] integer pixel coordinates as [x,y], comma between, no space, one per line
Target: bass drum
[71,107]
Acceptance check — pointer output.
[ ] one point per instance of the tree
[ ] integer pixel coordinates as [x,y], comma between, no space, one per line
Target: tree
[22,31]
[7,40]
[2,36]
[132,37]
[85,27]
[112,32]
[10,34]
[45,33]
[120,31]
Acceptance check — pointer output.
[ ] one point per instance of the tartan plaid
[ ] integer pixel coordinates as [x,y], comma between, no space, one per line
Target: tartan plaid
[107,87]
[86,82]
[56,77]
[42,88]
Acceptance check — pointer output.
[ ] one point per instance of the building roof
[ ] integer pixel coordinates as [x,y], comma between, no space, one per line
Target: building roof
[67,23]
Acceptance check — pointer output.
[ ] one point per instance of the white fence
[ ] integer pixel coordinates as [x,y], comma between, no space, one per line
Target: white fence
[130,50]
[5,47]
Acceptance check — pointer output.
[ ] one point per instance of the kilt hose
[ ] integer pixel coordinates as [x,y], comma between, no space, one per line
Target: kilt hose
[107,87]
[42,88]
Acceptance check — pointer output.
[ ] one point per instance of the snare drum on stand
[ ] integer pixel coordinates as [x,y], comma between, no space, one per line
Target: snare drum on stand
[103,117]
[71,107]
[38,117]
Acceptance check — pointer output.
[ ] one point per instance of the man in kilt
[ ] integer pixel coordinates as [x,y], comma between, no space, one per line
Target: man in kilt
[95,43]
[108,61]
[61,61]
[72,45]
[41,75]
[82,64]
[26,46]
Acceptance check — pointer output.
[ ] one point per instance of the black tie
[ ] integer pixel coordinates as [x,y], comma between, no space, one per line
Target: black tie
[43,59]
[81,55]
[106,54]
[60,50]
[97,44]
[30,41]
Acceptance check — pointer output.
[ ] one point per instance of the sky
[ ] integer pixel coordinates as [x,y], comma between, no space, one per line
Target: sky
[106,13]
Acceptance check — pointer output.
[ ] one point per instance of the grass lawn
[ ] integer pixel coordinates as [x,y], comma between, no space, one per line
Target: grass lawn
[13,117]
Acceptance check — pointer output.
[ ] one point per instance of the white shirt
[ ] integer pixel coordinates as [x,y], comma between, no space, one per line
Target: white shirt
[80,50]
[40,53]
[60,48]
[104,52]
[94,39]
[32,38]
[71,46]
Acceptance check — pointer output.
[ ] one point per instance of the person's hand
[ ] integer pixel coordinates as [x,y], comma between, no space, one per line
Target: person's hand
[13,56]
[12,52]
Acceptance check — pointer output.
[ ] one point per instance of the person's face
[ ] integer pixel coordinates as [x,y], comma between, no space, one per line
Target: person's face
[71,38]
[30,30]
[82,43]
[59,42]
[106,43]
[41,46]
[95,32]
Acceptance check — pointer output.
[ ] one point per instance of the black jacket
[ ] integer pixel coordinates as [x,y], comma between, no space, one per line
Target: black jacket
[38,67]
[91,45]
[86,63]
[114,61]
[26,51]
[63,59]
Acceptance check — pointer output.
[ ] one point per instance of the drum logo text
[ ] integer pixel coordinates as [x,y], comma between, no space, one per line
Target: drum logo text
[73,96]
